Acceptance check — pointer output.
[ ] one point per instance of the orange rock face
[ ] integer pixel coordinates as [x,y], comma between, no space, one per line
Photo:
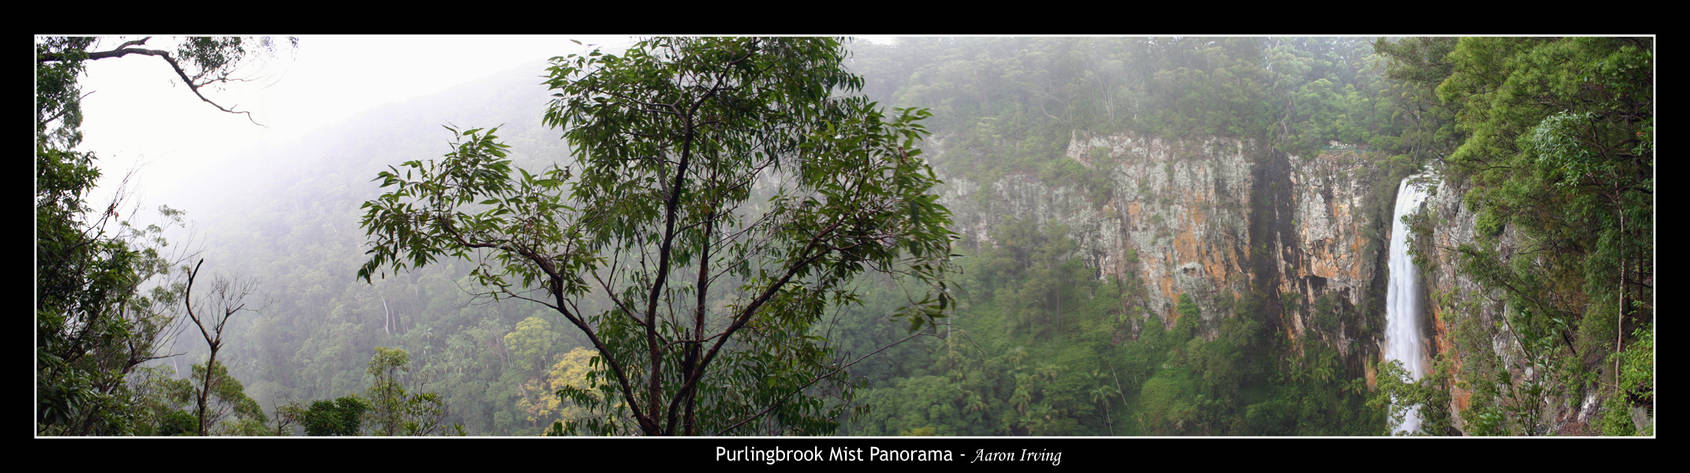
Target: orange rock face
[1372,376]
[1460,398]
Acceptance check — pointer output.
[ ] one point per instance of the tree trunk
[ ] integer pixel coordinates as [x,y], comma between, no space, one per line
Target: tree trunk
[205,388]
[1619,318]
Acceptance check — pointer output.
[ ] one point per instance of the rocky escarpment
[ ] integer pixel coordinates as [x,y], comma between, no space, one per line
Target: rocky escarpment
[1469,329]
[1207,218]
[1214,218]
[1328,264]
[1452,292]
[1472,336]
[1176,214]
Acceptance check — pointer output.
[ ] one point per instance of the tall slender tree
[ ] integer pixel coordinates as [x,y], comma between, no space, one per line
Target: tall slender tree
[228,298]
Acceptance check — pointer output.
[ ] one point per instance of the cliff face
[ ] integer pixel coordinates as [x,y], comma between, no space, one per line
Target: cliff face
[1213,218]
[1328,253]
[1450,291]
[1180,216]
[1190,217]
[1469,328]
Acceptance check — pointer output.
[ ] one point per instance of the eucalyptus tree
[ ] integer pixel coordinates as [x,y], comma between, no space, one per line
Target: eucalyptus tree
[393,408]
[721,196]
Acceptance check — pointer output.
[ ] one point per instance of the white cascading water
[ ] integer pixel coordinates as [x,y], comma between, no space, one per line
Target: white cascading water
[1402,301]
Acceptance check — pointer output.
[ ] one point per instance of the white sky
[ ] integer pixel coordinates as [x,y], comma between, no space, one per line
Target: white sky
[140,117]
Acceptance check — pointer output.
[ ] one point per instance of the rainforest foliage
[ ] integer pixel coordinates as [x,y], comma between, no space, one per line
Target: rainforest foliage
[1040,346]
[1010,105]
[721,236]
[1555,156]
[106,302]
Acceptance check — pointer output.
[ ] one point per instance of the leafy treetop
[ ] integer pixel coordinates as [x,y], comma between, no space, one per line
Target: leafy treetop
[720,198]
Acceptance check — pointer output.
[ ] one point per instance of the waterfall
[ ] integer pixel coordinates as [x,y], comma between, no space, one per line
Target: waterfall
[1402,298]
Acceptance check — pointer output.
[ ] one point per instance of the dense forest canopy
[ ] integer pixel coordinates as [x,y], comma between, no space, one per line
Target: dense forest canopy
[776,236]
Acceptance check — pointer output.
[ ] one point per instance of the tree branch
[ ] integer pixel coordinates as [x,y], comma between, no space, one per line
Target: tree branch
[556,288]
[128,48]
[749,310]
